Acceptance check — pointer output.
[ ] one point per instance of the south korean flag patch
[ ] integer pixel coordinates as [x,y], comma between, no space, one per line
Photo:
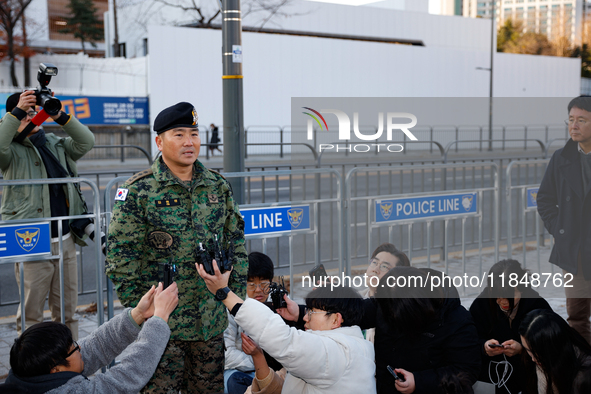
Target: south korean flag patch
[121,194]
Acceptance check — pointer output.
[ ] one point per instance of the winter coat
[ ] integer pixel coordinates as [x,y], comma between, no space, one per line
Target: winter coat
[447,347]
[23,161]
[334,361]
[98,350]
[496,325]
[565,209]
[234,356]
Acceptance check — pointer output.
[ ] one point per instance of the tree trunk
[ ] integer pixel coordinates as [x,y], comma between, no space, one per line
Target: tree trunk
[10,39]
[83,48]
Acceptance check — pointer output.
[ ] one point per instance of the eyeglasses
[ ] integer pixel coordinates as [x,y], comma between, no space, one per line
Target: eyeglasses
[581,122]
[31,114]
[309,312]
[384,267]
[76,348]
[263,285]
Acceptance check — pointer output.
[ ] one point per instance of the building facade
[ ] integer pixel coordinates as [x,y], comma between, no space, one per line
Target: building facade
[553,18]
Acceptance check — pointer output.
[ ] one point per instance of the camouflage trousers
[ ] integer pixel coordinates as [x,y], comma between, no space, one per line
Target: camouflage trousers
[190,367]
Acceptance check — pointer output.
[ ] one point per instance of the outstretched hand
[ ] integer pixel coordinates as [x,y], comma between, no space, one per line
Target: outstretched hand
[145,308]
[291,312]
[165,300]
[216,281]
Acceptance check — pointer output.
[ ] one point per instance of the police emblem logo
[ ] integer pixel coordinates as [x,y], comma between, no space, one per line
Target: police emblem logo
[27,238]
[160,239]
[533,196]
[121,194]
[213,198]
[195,117]
[467,202]
[386,209]
[295,216]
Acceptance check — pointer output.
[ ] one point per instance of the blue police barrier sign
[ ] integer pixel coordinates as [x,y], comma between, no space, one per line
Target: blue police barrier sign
[31,239]
[425,207]
[532,196]
[275,219]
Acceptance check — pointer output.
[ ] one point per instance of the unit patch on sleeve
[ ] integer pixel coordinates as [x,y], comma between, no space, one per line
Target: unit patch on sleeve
[168,203]
[121,194]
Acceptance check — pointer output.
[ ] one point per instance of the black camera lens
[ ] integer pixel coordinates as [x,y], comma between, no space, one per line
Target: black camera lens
[50,104]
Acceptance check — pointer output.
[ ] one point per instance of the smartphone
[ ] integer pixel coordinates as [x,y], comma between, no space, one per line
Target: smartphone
[397,376]
[494,345]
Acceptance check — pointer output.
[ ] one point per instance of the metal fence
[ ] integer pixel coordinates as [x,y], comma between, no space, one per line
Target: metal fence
[20,259]
[274,140]
[322,188]
[523,221]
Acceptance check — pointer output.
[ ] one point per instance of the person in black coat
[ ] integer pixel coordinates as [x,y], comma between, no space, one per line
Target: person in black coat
[426,336]
[498,311]
[215,139]
[564,203]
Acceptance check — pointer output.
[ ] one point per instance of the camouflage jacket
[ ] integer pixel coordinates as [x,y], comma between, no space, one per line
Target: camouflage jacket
[156,220]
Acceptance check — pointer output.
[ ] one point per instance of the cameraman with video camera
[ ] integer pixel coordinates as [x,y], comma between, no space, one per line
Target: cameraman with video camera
[39,156]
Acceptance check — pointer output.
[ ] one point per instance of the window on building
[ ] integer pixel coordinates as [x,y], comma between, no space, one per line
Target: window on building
[57,12]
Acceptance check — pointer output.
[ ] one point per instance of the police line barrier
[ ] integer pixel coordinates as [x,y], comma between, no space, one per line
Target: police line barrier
[33,237]
[527,204]
[390,210]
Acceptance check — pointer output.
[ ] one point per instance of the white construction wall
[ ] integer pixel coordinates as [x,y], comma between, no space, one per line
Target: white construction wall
[80,75]
[277,68]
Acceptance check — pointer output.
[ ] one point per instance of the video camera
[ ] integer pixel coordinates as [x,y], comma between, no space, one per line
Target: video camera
[45,99]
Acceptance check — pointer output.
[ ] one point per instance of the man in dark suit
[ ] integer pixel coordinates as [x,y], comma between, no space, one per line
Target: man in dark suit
[564,203]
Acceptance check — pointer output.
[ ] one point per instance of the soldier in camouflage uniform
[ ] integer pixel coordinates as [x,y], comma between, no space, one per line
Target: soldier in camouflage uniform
[160,216]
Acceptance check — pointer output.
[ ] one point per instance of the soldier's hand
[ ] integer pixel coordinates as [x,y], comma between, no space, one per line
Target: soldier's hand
[214,282]
[165,300]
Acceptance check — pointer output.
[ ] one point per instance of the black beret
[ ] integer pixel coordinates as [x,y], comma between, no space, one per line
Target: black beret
[12,101]
[179,115]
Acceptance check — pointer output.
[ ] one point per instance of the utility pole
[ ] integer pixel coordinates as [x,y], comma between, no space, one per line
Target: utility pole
[492,55]
[116,31]
[26,62]
[232,90]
